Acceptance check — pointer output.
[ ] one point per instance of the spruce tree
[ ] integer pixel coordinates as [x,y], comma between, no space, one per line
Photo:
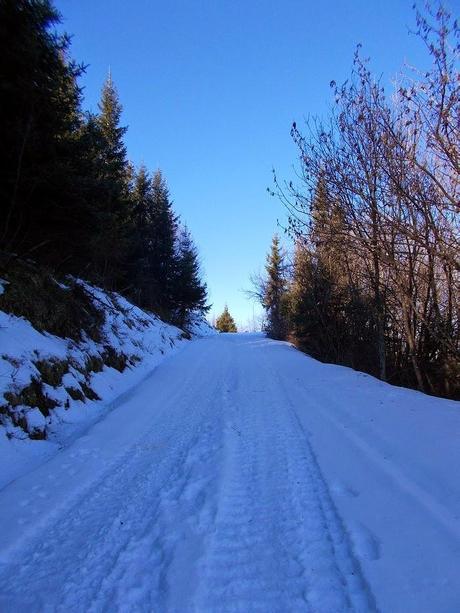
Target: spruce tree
[274,298]
[162,254]
[40,110]
[302,323]
[109,118]
[140,243]
[189,294]
[110,235]
[69,197]
[328,317]
[225,322]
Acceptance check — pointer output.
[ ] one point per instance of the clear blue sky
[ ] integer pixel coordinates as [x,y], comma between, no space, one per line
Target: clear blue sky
[210,89]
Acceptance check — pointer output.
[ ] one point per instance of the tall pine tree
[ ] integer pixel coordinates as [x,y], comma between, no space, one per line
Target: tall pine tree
[109,244]
[162,264]
[140,239]
[40,114]
[69,197]
[274,298]
[189,293]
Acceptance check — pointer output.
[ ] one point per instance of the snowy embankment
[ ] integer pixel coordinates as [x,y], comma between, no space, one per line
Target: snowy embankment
[53,388]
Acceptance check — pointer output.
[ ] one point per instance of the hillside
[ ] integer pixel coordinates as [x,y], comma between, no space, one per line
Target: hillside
[68,350]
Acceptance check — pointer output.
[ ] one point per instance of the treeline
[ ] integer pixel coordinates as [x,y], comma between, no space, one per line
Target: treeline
[70,198]
[375,216]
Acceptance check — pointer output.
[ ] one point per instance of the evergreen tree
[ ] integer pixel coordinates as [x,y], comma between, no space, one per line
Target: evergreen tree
[162,241]
[110,236]
[302,324]
[318,302]
[274,294]
[40,110]
[114,152]
[316,308]
[189,293]
[225,322]
[164,266]
[69,196]
[328,317]
[140,243]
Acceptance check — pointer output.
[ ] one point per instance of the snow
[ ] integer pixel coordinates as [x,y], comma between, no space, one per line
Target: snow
[242,475]
[199,327]
[35,420]
[126,329]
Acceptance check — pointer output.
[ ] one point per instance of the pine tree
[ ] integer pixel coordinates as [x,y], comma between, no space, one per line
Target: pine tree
[164,265]
[68,194]
[302,323]
[162,254]
[189,293]
[109,118]
[110,237]
[140,243]
[315,313]
[327,232]
[40,110]
[225,322]
[274,298]
[328,316]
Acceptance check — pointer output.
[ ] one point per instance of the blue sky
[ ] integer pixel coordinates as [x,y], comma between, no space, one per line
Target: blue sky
[210,89]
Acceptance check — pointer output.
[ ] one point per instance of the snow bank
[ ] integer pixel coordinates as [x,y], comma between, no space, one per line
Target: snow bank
[74,382]
[199,327]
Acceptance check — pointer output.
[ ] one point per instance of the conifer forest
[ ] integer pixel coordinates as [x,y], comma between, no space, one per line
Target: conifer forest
[71,199]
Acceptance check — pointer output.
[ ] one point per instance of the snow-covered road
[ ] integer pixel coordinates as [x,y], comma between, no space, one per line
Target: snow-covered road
[244,476]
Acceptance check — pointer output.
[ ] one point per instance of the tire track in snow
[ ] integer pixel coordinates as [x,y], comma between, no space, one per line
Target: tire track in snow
[360,595]
[120,559]
[172,537]
[278,544]
[232,514]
